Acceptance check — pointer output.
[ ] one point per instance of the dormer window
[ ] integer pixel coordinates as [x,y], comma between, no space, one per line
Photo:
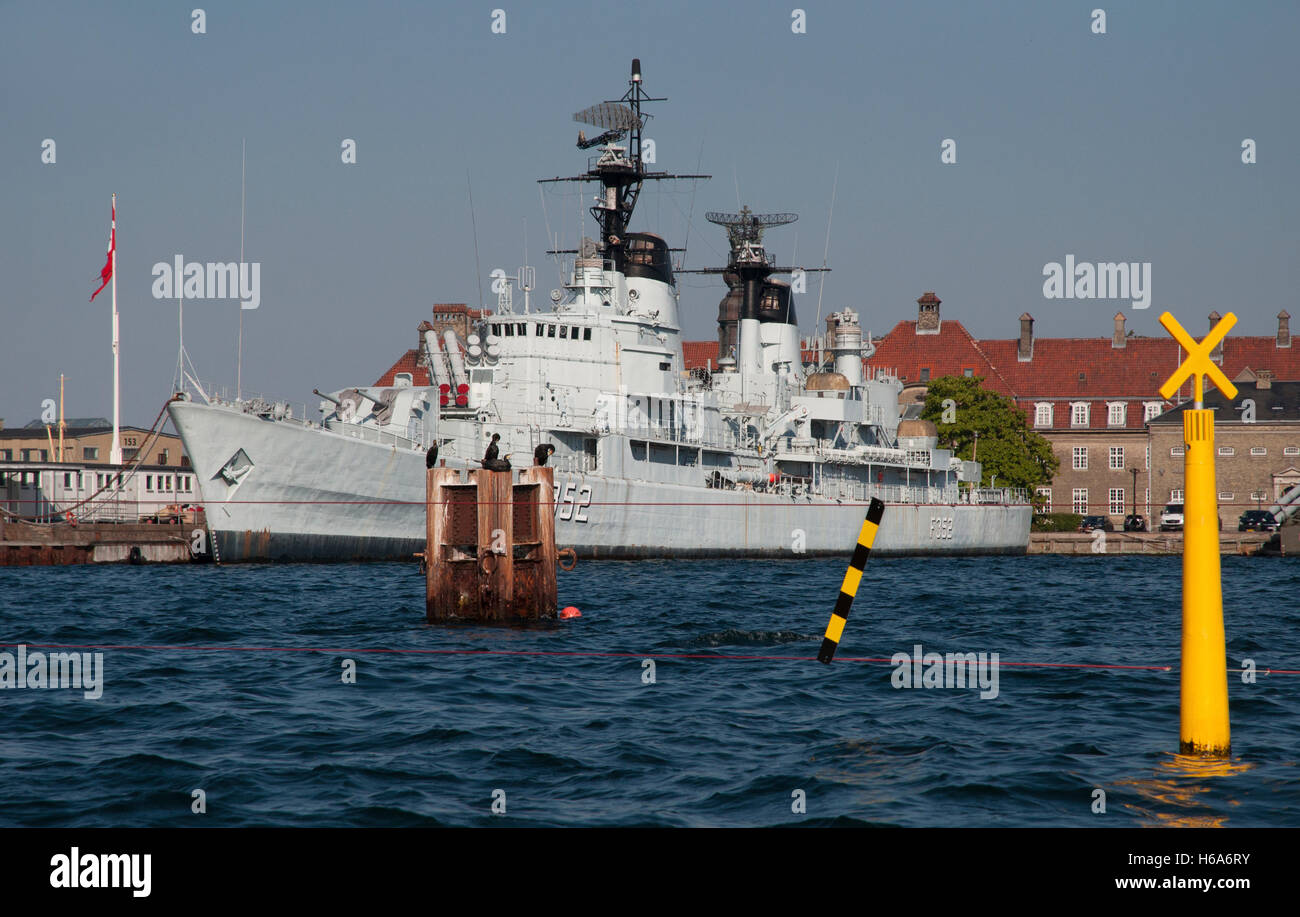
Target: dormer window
[1079,414]
[1043,414]
[1117,414]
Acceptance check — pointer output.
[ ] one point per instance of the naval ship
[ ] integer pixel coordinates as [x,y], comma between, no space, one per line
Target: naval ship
[774,452]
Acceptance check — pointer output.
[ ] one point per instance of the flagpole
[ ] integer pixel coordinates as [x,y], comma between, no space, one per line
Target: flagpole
[115,452]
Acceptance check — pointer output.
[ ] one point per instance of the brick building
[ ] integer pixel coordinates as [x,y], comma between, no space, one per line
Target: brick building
[1091,398]
[452,315]
[1258,446]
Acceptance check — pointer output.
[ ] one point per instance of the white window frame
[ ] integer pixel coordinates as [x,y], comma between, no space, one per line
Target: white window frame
[1152,409]
[1112,465]
[1291,450]
[1227,451]
[1258,450]
[1113,502]
[1079,413]
[1041,408]
[1079,458]
[1047,504]
[1114,408]
[1176,495]
[1177,450]
[1079,497]
[1226,496]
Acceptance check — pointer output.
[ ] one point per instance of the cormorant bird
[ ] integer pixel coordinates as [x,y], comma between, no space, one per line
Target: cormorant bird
[542,453]
[490,460]
[431,457]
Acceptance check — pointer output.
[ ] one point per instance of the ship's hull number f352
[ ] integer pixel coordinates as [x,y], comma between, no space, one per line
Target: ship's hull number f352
[941,527]
[572,505]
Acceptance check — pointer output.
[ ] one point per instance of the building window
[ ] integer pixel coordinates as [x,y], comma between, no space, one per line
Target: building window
[1258,495]
[1151,409]
[1227,450]
[1148,456]
[1116,501]
[1117,415]
[1043,414]
[925,374]
[586,334]
[1080,500]
[6,455]
[148,482]
[1117,458]
[67,479]
[90,453]
[1176,450]
[1226,497]
[1146,497]
[968,372]
[1080,458]
[1045,497]
[1258,450]
[1079,414]
[1291,450]
[162,457]
[1175,496]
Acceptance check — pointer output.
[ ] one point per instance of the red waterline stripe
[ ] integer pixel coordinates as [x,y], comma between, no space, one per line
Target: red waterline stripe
[575,653]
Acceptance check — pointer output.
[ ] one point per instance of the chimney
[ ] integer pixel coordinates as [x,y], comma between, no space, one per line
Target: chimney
[1217,353]
[1117,338]
[1025,346]
[1284,329]
[927,315]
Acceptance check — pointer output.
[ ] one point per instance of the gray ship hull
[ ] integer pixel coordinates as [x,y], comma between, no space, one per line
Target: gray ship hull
[319,495]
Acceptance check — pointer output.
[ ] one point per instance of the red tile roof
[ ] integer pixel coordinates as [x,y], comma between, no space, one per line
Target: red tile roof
[419,374]
[698,354]
[1131,373]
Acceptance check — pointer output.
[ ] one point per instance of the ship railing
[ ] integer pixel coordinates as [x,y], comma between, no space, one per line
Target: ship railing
[374,435]
[258,404]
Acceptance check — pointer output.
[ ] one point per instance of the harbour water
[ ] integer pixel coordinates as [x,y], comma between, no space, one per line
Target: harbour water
[242,696]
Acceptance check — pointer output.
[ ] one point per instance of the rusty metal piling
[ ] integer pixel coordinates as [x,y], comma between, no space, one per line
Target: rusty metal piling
[490,545]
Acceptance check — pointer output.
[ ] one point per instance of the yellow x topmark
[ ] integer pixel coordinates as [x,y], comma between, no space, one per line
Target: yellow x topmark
[1198,360]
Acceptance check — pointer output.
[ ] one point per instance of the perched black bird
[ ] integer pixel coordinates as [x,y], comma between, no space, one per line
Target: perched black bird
[431,457]
[490,460]
[542,453]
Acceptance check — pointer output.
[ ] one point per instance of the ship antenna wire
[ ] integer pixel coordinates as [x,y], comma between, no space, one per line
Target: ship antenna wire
[826,253]
[239,354]
[699,161]
[478,271]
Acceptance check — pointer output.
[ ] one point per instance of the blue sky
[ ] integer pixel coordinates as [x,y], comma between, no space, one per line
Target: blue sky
[1124,146]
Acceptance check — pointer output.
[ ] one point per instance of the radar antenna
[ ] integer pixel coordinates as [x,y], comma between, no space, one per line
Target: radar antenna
[620,169]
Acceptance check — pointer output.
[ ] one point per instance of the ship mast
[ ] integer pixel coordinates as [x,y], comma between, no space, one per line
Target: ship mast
[620,170]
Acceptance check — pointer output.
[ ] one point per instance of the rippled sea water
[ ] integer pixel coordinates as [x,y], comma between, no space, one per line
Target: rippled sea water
[275,737]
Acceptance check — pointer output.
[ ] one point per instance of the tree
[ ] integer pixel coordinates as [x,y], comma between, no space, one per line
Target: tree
[1007,447]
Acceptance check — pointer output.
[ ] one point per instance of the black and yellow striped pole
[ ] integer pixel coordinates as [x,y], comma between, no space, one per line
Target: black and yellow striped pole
[852,577]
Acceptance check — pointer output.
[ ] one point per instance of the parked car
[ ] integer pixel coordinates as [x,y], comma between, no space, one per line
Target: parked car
[1257,520]
[1135,522]
[1171,520]
[1092,523]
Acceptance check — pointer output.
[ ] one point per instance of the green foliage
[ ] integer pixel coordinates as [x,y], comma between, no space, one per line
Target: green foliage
[1056,522]
[1007,446]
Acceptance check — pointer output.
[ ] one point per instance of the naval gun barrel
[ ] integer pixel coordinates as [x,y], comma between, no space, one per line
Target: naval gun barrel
[329,398]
